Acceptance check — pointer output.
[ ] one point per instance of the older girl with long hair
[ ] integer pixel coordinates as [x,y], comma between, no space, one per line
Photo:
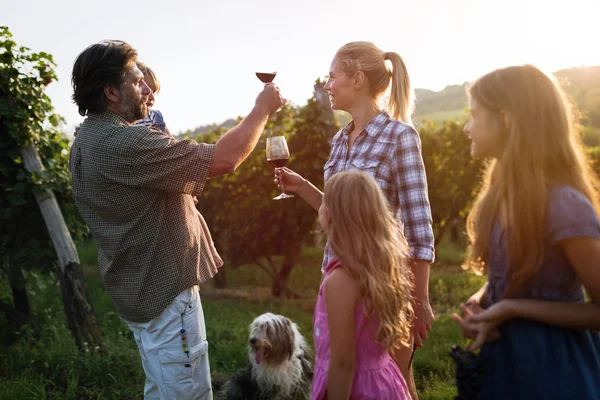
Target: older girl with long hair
[363,310]
[535,229]
[381,141]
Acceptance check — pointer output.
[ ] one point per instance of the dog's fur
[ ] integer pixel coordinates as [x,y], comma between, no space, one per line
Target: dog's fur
[279,366]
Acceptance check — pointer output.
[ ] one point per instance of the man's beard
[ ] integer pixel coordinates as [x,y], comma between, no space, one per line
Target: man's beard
[131,109]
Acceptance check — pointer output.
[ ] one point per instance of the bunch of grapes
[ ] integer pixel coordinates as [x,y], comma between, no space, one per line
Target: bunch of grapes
[470,370]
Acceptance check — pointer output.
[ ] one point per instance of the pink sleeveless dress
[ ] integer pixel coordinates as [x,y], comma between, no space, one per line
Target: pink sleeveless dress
[376,374]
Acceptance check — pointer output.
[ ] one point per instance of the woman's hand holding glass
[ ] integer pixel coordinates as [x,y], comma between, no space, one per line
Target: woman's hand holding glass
[286,179]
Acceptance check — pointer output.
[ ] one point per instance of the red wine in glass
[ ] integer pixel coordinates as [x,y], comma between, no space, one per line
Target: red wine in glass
[278,162]
[266,77]
[277,153]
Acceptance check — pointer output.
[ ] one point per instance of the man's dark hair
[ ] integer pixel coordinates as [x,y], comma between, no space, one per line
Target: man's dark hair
[101,64]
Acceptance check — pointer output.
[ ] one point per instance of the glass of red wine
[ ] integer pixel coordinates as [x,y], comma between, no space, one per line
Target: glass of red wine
[266,77]
[277,155]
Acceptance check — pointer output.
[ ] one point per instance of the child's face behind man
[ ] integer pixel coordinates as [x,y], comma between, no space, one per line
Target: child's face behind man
[148,81]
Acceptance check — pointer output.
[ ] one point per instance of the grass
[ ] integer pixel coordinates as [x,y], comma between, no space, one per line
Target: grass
[448,253]
[45,364]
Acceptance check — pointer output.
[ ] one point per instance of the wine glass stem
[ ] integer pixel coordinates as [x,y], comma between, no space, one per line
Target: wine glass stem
[282,191]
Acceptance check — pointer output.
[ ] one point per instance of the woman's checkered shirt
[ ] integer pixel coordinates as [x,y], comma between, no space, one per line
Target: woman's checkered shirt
[390,151]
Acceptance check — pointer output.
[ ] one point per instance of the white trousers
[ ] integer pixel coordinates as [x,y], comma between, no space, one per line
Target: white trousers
[171,373]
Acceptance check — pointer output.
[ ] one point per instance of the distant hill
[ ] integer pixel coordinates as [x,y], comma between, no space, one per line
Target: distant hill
[438,106]
[581,83]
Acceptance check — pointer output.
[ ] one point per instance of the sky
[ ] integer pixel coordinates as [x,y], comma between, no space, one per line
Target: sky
[205,53]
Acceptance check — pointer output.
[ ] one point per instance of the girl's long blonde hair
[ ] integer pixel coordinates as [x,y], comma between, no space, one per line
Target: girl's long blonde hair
[366,238]
[542,149]
[370,59]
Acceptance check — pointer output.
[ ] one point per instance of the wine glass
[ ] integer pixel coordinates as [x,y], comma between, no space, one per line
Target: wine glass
[266,77]
[277,156]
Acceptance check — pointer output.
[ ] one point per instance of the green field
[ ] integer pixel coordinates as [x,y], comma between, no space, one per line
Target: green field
[44,363]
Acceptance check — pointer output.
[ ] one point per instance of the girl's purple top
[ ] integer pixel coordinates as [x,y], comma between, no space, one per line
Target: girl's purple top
[532,360]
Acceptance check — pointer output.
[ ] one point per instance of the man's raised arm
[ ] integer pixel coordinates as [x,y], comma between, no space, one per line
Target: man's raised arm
[233,148]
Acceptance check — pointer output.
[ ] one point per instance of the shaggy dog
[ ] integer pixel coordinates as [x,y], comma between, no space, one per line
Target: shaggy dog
[278,368]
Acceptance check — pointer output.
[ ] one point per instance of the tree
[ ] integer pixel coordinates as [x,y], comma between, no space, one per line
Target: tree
[30,138]
[453,176]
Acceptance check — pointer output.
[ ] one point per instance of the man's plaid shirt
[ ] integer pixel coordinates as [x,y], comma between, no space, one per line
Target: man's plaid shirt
[390,151]
[133,186]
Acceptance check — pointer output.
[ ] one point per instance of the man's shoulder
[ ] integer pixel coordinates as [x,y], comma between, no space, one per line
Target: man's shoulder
[105,128]
[109,134]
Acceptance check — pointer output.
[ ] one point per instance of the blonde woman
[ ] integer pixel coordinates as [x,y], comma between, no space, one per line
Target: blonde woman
[386,146]
[535,229]
[363,309]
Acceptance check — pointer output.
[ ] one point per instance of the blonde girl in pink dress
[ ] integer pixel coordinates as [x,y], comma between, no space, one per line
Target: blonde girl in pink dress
[363,309]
